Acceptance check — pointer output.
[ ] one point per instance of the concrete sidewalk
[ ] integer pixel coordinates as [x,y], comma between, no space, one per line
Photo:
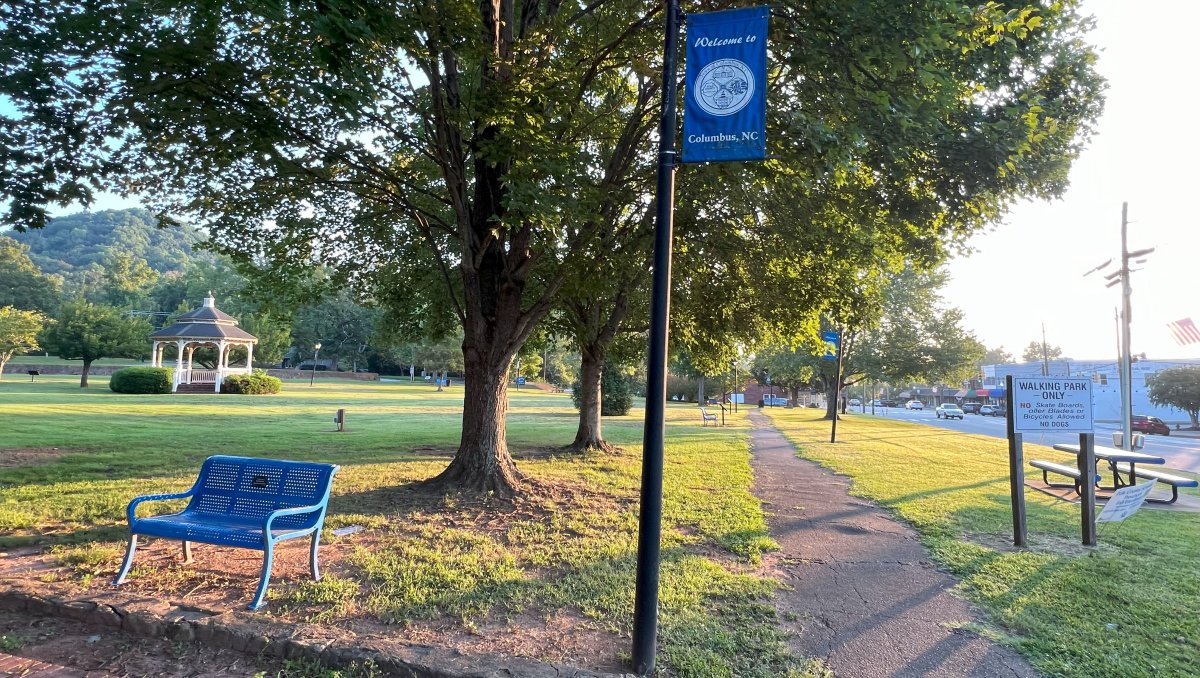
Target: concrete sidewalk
[865,597]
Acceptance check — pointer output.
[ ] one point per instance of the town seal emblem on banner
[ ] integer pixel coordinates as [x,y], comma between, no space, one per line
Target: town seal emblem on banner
[724,87]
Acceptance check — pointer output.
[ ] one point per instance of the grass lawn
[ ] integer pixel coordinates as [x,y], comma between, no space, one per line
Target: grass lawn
[71,458]
[1126,608]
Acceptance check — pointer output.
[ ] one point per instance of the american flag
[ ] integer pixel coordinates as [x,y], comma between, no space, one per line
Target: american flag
[1184,331]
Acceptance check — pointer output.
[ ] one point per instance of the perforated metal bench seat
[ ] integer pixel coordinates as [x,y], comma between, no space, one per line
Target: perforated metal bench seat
[202,528]
[243,502]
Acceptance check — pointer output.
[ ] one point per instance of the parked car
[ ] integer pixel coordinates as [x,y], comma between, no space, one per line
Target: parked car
[970,408]
[876,403]
[889,403]
[855,402]
[992,411]
[1144,424]
[949,411]
[914,405]
[774,401]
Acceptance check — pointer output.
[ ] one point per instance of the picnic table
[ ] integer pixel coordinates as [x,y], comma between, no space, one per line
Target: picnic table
[1113,456]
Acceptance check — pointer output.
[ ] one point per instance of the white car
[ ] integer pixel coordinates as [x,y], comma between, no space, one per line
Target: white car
[914,405]
[949,411]
[855,402]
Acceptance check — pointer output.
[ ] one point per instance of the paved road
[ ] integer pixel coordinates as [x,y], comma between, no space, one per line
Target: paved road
[1182,453]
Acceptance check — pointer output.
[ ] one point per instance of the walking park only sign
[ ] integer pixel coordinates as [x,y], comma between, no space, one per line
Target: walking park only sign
[1049,404]
[1052,404]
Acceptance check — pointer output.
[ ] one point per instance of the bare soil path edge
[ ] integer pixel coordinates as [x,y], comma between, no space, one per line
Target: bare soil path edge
[244,632]
[863,594]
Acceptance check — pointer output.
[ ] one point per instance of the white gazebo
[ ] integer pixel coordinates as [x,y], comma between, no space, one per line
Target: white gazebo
[205,326]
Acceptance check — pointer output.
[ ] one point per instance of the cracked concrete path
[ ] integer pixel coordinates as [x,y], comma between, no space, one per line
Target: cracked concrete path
[864,595]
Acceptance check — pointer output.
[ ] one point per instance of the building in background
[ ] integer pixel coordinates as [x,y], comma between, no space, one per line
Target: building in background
[1106,384]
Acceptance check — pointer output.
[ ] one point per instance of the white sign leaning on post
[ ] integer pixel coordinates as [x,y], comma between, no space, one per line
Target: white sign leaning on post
[1052,404]
[1125,502]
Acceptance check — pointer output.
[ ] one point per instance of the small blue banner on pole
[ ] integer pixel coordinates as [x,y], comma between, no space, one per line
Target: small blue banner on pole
[831,340]
[725,111]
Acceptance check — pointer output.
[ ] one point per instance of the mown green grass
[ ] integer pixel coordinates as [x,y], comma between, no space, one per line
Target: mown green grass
[1126,608]
[569,549]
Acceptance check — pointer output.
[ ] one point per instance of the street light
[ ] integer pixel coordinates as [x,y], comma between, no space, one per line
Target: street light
[316,352]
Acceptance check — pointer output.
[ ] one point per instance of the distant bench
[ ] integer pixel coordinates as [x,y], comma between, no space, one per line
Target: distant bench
[706,416]
[245,502]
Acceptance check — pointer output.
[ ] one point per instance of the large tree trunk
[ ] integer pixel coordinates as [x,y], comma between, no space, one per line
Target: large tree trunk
[588,435]
[700,399]
[831,399]
[483,463]
[3,362]
[87,365]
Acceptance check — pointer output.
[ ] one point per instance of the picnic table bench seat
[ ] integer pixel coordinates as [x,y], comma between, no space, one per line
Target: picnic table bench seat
[1068,470]
[1174,481]
[244,502]
[706,416]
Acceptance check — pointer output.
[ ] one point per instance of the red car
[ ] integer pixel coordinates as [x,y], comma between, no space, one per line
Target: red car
[1144,424]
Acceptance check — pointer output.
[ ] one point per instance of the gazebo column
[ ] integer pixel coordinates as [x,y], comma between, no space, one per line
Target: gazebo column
[222,363]
[154,354]
[178,366]
[249,358]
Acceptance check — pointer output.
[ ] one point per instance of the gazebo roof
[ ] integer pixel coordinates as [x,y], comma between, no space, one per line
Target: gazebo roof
[206,323]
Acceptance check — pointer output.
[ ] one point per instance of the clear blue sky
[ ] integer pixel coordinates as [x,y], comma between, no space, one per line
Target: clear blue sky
[1028,270]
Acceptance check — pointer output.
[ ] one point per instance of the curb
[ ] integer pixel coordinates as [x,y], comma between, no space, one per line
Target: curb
[233,631]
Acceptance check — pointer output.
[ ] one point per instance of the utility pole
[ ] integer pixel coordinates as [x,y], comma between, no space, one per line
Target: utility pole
[1124,359]
[1045,359]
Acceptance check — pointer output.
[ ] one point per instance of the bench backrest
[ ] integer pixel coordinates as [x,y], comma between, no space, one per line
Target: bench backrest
[245,487]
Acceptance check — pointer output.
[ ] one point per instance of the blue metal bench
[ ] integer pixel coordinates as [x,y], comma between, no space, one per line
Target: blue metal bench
[244,502]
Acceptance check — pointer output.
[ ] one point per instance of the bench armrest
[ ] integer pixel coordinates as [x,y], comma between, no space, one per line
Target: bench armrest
[295,510]
[131,512]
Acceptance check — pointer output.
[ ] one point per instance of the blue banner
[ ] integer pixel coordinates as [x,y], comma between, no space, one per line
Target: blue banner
[725,110]
[831,341]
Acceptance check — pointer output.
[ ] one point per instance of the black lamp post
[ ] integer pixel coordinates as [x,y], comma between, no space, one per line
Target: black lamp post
[316,352]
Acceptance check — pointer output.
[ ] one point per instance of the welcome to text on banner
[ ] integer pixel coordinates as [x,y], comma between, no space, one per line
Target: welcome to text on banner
[725,111]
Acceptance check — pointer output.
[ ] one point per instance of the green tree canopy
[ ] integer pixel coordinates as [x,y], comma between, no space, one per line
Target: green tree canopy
[996,356]
[1178,387]
[1036,351]
[18,332]
[22,284]
[88,332]
[480,147]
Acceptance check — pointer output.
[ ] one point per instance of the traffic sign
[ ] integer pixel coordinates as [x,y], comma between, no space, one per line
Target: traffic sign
[520,381]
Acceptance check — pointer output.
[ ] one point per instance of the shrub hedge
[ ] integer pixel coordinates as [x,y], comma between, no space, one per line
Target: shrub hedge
[142,380]
[616,397]
[258,383]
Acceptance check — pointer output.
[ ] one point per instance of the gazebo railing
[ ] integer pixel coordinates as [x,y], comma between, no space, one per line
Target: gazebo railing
[198,376]
[206,376]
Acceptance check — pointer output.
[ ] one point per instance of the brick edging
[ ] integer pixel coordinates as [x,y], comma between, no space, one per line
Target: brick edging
[277,639]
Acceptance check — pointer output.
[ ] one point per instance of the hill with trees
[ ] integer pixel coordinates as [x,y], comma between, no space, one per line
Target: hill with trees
[75,242]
